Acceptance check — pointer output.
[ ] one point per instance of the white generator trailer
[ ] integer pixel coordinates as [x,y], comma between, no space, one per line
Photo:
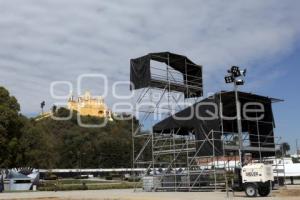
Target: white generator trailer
[257,179]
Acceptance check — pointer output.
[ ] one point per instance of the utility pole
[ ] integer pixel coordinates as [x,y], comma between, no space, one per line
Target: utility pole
[297,149]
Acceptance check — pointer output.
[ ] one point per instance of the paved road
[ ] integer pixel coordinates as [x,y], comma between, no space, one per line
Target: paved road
[126,195]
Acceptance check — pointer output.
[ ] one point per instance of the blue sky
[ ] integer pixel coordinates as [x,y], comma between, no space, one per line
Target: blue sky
[286,87]
[42,41]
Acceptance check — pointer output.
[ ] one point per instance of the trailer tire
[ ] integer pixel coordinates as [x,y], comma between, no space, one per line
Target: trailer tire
[264,191]
[251,190]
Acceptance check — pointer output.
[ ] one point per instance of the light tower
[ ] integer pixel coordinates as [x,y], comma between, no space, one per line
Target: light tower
[236,76]
[42,106]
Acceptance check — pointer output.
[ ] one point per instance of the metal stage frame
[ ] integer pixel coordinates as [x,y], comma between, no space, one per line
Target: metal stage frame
[175,165]
[171,160]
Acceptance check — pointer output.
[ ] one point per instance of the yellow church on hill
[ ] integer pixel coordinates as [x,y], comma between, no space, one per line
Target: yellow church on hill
[89,105]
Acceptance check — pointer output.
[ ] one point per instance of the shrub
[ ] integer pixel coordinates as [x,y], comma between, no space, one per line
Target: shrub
[50,177]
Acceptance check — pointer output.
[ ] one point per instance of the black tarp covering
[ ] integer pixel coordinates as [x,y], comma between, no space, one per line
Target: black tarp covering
[261,130]
[140,73]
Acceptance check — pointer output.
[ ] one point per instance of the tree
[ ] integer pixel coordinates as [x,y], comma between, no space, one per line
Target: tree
[11,123]
[296,160]
[37,147]
[54,108]
[285,147]
[76,146]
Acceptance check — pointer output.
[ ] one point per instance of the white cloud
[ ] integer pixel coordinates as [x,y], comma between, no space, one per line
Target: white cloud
[47,40]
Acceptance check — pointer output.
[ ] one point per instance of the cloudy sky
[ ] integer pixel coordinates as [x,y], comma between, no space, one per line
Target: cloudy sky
[42,41]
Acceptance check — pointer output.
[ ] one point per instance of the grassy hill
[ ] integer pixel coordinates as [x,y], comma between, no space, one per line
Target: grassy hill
[47,143]
[72,146]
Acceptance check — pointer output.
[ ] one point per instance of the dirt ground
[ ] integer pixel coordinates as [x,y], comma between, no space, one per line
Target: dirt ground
[291,193]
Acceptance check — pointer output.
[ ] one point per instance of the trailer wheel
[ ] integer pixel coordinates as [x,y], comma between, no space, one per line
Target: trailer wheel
[250,190]
[264,191]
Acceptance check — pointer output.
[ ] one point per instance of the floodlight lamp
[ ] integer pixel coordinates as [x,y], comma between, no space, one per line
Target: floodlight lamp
[235,71]
[239,82]
[229,79]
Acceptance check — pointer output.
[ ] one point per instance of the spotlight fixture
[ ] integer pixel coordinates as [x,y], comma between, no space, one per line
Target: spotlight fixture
[235,71]
[229,79]
[239,82]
